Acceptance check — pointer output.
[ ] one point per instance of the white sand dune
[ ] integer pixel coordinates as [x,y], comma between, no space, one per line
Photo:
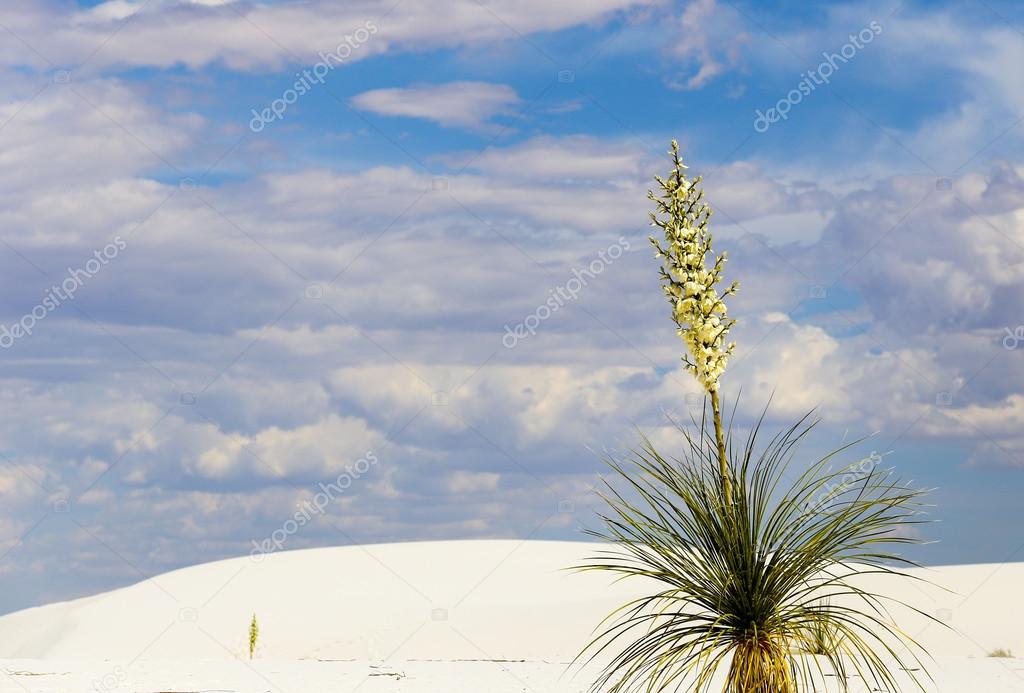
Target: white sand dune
[428,608]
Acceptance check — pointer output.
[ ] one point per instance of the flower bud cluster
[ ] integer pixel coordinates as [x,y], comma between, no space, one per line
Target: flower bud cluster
[697,308]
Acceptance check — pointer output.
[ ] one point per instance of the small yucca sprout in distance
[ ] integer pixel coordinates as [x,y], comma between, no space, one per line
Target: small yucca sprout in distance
[254,634]
[756,563]
[821,638]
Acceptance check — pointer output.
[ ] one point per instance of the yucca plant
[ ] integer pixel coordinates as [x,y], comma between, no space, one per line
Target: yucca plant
[821,638]
[254,634]
[759,563]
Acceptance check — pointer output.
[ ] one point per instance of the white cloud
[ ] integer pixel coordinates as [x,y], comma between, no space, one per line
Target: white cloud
[709,37]
[200,301]
[934,259]
[744,190]
[470,105]
[575,158]
[262,36]
[599,208]
[317,450]
[462,482]
[98,132]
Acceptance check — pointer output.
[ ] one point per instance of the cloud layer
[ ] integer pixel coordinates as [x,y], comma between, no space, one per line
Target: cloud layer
[288,301]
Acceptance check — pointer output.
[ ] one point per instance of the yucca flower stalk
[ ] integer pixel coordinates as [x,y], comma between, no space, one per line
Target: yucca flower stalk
[760,565]
[690,284]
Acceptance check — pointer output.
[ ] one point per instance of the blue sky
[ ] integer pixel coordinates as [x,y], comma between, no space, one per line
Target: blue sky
[272,302]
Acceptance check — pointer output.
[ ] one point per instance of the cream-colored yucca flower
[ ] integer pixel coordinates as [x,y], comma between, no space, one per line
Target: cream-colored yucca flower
[697,308]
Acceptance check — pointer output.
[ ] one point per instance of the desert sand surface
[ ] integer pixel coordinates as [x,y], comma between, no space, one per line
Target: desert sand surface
[430,616]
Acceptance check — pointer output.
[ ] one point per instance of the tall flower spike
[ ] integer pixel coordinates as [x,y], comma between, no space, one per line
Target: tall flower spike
[689,283]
